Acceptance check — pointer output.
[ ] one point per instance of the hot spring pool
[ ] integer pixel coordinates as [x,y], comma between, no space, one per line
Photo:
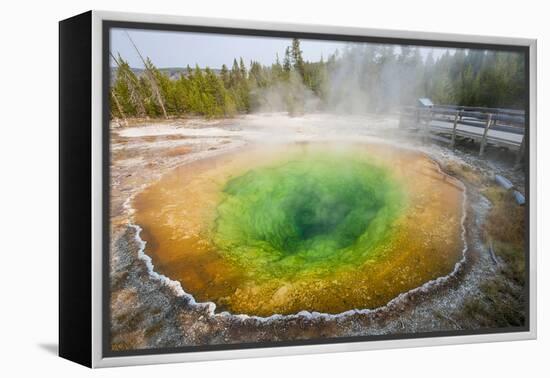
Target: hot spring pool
[316,227]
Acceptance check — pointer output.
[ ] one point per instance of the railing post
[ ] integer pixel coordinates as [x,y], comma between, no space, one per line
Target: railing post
[520,152]
[484,138]
[453,138]
[427,121]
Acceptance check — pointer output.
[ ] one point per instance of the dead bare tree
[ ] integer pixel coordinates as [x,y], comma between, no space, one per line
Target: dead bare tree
[119,107]
[151,76]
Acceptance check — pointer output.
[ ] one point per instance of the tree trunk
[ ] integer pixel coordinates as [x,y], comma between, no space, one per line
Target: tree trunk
[151,76]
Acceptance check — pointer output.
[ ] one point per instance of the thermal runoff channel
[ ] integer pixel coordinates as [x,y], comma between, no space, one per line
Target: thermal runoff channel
[313,227]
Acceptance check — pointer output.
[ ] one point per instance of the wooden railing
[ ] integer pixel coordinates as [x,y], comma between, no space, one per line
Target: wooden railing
[445,120]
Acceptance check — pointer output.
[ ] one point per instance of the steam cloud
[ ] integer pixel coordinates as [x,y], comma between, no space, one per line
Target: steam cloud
[365,78]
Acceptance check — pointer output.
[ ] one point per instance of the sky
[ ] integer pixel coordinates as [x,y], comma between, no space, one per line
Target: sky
[179,49]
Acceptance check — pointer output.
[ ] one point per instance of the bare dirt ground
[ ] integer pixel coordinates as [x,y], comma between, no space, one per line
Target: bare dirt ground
[151,311]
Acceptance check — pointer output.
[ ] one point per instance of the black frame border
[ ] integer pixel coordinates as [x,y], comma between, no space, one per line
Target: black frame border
[75,189]
[107,25]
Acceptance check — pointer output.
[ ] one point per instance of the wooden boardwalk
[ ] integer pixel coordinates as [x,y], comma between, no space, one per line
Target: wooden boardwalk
[504,128]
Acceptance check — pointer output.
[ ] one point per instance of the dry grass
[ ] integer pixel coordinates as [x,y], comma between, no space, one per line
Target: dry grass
[513,259]
[506,220]
[505,228]
[498,306]
[466,173]
[501,302]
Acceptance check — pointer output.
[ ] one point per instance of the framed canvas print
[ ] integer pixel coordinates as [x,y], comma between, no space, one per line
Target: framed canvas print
[232,189]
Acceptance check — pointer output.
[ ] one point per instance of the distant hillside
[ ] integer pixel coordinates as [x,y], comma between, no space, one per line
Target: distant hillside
[172,72]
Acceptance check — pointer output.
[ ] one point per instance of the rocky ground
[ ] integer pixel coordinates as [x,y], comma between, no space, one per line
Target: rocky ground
[150,311]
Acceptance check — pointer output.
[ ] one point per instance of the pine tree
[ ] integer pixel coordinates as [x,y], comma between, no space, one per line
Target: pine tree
[287,65]
[242,69]
[297,59]
[128,90]
[154,81]
[224,74]
[234,75]
[276,71]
